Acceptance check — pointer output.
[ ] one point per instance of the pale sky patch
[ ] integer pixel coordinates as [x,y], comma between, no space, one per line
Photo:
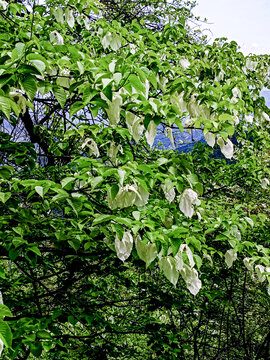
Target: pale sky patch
[245,21]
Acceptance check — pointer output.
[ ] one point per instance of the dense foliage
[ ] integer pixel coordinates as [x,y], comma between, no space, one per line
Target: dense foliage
[111,248]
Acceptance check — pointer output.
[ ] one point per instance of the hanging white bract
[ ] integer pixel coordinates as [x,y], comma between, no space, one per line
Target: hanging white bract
[124,247]
[187,200]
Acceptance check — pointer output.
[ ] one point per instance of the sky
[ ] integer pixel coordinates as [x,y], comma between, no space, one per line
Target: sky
[245,21]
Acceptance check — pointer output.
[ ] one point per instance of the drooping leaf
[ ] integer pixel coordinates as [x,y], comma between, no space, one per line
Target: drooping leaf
[30,86]
[5,333]
[136,83]
[60,95]
[169,194]
[265,182]
[5,106]
[92,146]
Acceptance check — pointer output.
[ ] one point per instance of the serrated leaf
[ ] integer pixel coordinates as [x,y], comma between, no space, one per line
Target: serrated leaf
[60,95]
[114,189]
[96,181]
[30,86]
[76,204]
[5,106]
[39,65]
[75,243]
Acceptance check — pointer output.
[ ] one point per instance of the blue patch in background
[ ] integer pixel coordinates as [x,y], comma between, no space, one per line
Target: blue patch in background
[186,141]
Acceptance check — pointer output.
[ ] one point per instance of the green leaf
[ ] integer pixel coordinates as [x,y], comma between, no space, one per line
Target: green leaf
[75,243]
[5,172]
[66,181]
[114,191]
[60,95]
[102,218]
[96,181]
[195,243]
[5,333]
[35,250]
[249,221]
[36,349]
[40,65]
[5,106]
[43,334]
[4,196]
[77,106]
[4,311]
[136,83]
[30,86]
[76,204]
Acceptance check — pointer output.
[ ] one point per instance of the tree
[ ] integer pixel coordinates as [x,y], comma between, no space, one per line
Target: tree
[93,215]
